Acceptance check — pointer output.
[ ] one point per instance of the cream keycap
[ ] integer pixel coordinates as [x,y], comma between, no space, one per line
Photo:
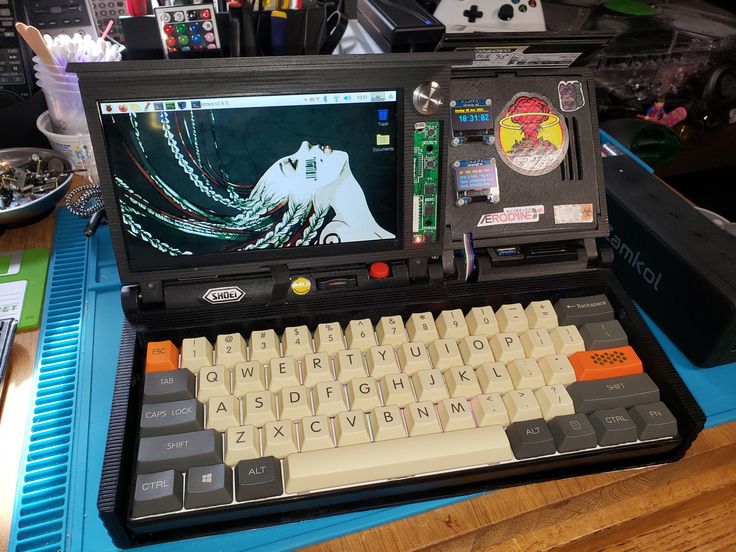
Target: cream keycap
[230,349]
[554,400]
[482,321]
[248,376]
[421,419]
[213,382]
[462,382]
[351,428]
[413,357]
[328,398]
[475,350]
[294,403]
[381,361]
[397,389]
[328,338]
[557,369]
[494,377]
[264,345]
[525,373]
[316,368]
[359,335]
[362,463]
[541,315]
[506,347]
[363,394]
[279,439]
[196,353]
[512,318]
[259,407]
[316,433]
[390,331]
[489,409]
[223,412]
[445,354]
[455,414]
[242,443]
[421,327]
[386,423]
[451,324]
[521,404]
[282,372]
[429,385]
[297,342]
[537,343]
[567,340]
[349,365]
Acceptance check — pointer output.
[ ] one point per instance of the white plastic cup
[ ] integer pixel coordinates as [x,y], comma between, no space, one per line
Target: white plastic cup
[65,109]
[77,148]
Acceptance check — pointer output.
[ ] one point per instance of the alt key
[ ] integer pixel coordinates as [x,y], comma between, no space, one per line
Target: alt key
[259,478]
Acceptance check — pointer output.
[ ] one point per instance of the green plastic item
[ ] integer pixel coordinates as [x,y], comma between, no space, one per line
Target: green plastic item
[630,7]
[22,286]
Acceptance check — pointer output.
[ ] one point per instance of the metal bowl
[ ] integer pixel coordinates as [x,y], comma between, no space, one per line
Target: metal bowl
[31,210]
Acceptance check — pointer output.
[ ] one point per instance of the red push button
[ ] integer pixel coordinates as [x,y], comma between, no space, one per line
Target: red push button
[379,270]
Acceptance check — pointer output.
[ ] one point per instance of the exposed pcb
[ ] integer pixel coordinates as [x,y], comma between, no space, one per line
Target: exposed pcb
[426,181]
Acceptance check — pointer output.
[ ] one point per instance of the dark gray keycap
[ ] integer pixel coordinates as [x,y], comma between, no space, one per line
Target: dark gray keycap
[572,432]
[613,426]
[653,421]
[259,478]
[209,486]
[157,493]
[603,335]
[171,385]
[171,417]
[179,451]
[582,310]
[530,438]
[623,391]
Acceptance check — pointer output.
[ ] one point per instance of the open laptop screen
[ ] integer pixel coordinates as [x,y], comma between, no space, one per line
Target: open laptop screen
[214,176]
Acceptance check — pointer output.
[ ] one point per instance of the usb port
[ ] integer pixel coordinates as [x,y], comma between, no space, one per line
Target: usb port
[507,251]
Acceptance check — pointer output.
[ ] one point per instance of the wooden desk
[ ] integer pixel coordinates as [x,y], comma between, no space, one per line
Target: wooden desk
[690,504]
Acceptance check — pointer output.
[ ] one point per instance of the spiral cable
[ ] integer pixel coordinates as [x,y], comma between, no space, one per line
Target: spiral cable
[84,201]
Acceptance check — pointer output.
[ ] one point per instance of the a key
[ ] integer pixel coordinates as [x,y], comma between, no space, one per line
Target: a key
[556,369]
[351,428]
[328,398]
[209,486]
[429,385]
[171,385]
[259,408]
[349,365]
[390,331]
[248,376]
[196,353]
[397,389]
[316,368]
[394,458]
[475,350]
[259,478]
[451,324]
[482,321]
[264,345]
[653,421]
[625,392]
[525,374]
[494,377]
[537,343]
[607,363]
[214,381]
[279,439]
[294,403]
[613,426]
[489,409]
[582,310]
[328,338]
[445,354]
[462,382]
[161,356]
[241,443]
[572,432]
[386,423]
[381,361]
[359,335]
[171,417]
[413,357]
[603,335]
[567,340]
[554,401]
[157,493]
[541,315]
[223,412]
[316,433]
[506,347]
[282,372]
[530,438]
[455,414]
[522,405]
[512,318]
[179,451]
[421,327]
[421,419]
[230,349]
[363,394]
[297,342]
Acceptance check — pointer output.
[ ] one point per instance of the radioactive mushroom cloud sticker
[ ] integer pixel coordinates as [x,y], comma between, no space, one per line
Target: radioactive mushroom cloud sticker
[531,136]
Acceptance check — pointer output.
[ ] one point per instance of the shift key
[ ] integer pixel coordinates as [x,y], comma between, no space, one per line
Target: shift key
[180,451]
[619,392]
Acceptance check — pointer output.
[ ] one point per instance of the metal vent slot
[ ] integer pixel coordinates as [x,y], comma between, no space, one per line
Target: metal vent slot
[576,139]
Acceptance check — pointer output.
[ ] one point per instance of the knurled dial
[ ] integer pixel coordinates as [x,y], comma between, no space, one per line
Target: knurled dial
[427,98]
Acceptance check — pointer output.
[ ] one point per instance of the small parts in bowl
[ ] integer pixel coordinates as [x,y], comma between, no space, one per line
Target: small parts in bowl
[23,182]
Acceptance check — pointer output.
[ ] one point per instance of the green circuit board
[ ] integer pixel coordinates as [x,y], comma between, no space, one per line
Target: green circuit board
[426,181]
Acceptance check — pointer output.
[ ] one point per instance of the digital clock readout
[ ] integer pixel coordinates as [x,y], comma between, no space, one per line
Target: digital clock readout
[475,118]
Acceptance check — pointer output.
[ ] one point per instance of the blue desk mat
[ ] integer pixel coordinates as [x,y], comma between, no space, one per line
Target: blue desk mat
[55,506]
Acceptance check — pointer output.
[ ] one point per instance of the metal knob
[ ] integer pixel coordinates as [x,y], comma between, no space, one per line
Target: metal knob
[427,98]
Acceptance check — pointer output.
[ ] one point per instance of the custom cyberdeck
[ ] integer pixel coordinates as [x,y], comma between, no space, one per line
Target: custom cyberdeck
[361,281]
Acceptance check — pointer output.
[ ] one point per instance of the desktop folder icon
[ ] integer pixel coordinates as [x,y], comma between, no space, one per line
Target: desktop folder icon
[383,139]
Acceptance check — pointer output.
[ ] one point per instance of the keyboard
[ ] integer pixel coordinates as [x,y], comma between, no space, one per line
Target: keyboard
[240,422]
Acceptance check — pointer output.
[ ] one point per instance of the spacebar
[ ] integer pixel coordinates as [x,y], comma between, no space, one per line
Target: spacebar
[320,469]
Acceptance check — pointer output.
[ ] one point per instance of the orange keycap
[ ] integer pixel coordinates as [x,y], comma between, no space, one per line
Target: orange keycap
[161,356]
[605,363]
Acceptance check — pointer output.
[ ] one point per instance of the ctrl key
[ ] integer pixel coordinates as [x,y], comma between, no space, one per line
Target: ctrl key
[157,493]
